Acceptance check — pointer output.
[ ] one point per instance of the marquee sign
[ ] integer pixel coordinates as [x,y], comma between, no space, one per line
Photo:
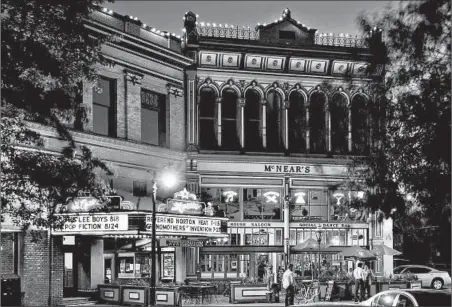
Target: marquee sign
[181,243]
[96,222]
[327,225]
[191,225]
[185,203]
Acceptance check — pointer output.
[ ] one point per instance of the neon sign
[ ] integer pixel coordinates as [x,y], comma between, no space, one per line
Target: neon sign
[229,196]
[300,198]
[270,197]
[338,197]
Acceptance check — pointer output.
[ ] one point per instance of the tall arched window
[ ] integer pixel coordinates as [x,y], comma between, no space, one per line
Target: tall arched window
[274,122]
[229,136]
[317,129]
[297,122]
[339,124]
[253,138]
[360,125]
[207,119]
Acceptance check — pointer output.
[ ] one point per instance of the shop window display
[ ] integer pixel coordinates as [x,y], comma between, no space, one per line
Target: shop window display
[309,205]
[226,199]
[261,204]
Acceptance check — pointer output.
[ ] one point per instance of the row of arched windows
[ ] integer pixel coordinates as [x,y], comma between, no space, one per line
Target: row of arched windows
[252,124]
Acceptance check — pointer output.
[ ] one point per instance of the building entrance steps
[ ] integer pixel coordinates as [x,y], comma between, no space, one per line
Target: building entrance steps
[76,301]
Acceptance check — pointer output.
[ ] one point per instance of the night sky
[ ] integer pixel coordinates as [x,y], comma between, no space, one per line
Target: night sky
[326,16]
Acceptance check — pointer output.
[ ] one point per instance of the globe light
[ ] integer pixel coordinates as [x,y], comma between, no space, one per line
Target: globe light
[168,179]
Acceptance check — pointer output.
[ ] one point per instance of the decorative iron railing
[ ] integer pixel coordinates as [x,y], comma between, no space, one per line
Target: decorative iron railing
[251,34]
[228,32]
[340,40]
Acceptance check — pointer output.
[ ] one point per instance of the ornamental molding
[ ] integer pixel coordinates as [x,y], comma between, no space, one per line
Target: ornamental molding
[86,138]
[231,84]
[133,76]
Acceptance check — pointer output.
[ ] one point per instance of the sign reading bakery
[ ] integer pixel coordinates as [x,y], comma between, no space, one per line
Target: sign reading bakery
[268,168]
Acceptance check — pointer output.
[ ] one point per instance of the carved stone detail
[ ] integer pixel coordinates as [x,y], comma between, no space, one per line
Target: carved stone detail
[133,76]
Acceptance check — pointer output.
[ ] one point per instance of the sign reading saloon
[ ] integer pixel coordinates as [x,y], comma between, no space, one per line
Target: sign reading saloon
[97,222]
[187,224]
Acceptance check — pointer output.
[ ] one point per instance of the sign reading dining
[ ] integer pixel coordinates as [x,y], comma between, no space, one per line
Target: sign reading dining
[104,222]
[277,168]
[188,224]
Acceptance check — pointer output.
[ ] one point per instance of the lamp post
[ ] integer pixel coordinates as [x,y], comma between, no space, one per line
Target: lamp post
[318,235]
[169,180]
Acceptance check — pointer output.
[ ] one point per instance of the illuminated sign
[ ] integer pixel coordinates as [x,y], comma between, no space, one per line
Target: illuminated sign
[229,196]
[184,194]
[179,206]
[181,243]
[338,197]
[96,222]
[323,225]
[185,224]
[255,224]
[270,197]
[299,198]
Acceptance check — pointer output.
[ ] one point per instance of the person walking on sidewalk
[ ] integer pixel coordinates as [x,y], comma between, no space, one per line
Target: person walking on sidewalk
[288,282]
[358,274]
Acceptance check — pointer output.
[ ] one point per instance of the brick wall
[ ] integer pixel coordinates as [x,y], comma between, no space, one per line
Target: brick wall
[7,253]
[176,121]
[35,271]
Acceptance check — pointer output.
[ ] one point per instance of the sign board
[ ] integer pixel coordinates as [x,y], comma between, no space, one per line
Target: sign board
[185,224]
[327,225]
[187,207]
[96,222]
[269,168]
[68,240]
[256,224]
[181,243]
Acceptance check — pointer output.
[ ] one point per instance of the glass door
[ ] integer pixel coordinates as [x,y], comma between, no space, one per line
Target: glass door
[70,275]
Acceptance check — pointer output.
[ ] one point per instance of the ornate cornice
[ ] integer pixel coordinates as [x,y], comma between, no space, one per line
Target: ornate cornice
[133,76]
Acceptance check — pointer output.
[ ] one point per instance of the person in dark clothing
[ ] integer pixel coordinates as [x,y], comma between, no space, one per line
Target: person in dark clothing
[261,271]
[218,212]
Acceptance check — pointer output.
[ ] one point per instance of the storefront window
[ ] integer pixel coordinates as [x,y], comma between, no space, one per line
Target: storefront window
[226,200]
[309,205]
[262,204]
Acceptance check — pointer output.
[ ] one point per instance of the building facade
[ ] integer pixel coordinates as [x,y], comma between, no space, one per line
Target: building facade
[274,115]
[260,122]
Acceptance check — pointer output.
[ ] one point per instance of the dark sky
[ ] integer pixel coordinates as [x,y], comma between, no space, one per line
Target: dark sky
[326,16]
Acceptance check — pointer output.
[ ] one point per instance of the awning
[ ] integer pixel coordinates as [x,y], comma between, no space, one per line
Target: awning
[248,249]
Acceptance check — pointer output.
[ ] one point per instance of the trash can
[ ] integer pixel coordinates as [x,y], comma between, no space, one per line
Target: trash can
[11,295]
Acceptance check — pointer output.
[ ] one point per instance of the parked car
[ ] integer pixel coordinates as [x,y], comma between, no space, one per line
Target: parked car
[430,277]
[399,297]
[441,266]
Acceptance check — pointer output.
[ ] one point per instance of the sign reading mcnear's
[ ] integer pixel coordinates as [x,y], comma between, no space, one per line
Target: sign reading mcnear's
[276,168]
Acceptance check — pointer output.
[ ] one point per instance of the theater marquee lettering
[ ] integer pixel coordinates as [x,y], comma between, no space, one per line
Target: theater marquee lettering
[295,169]
[104,222]
[190,225]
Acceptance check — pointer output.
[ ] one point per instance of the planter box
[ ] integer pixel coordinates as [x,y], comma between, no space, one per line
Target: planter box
[415,284]
[248,294]
[135,295]
[382,286]
[166,296]
[110,294]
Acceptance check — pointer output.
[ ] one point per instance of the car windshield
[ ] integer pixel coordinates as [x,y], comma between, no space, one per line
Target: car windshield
[432,298]
[398,270]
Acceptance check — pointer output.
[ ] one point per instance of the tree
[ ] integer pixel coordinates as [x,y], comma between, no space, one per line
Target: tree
[47,53]
[412,110]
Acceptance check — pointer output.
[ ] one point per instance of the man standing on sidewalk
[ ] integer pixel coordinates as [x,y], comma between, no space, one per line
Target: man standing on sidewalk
[358,274]
[288,282]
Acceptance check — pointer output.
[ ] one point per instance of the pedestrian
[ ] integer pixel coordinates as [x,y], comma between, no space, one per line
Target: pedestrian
[289,285]
[358,274]
[368,276]
[261,271]
[350,282]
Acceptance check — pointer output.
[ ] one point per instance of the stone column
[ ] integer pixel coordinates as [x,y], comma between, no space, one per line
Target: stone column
[285,117]
[286,221]
[219,100]
[349,129]
[328,128]
[307,127]
[133,104]
[175,118]
[192,116]
[264,123]
[242,122]
[97,263]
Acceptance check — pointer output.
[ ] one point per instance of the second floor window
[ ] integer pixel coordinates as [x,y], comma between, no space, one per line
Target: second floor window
[230,139]
[360,125]
[153,118]
[207,119]
[104,107]
[317,123]
[253,138]
[297,123]
[273,122]
[339,124]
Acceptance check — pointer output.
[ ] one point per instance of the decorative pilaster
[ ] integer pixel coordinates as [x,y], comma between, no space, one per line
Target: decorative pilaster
[219,100]
[350,128]
[192,121]
[286,221]
[132,89]
[242,121]
[285,117]
[264,123]
[328,127]
[175,124]
[307,128]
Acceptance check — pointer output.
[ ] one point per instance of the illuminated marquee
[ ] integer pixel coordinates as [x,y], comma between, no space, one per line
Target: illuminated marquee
[187,224]
[96,222]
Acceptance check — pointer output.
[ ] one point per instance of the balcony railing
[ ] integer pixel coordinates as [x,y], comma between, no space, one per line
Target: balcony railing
[238,32]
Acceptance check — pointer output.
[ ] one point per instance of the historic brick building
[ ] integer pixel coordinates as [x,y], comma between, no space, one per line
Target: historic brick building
[261,122]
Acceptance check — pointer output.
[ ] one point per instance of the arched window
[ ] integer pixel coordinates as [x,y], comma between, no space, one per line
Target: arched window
[360,125]
[253,138]
[317,136]
[207,119]
[229,136]
[297,122]
[274,122]
[339,124]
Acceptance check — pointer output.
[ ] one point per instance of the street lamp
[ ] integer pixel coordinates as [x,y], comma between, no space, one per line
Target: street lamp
[318,235]
[168,179]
